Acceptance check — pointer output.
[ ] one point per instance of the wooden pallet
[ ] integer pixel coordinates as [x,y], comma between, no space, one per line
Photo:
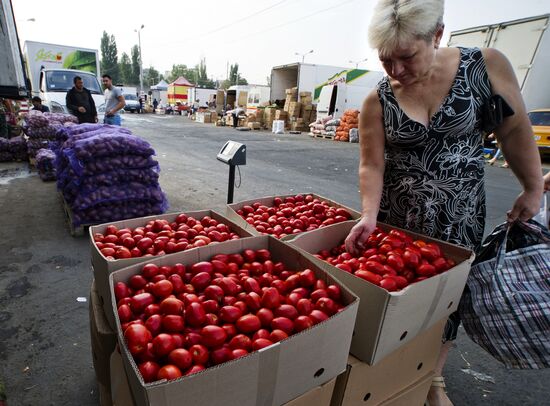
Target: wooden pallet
[327,137]
[78,231]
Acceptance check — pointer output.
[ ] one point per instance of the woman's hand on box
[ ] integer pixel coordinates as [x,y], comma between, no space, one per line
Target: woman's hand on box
[357,238]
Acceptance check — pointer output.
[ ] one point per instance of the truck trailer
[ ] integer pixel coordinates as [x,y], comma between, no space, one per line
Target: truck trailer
[13,79]
[526,43]
[52,68]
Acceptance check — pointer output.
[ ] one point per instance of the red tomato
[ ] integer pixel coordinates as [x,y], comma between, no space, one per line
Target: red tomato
[121,291]
[154,324]
[169,372]
[334,292]
[214,292]
[302,323]
[137,282]
[266,316]
[240,341]
[200,354]
[317,316]
[327,305]
[194,369]
[426,270]
[213,336]
[163,344]
[195,315]
[172,323]
[389,284]
[140,301]
[125,313]
[203,266]
[230,314]
[271,298]
[277,335]
[369,276]
[221,355]
[282,323]
[260,343]
[137,336]
[318,294]
[396,262]
[286,310]
[201,280]
[181,358]
[163,288]
[238,353]
[171,305]
[248,323]
[149,371]
[304,307]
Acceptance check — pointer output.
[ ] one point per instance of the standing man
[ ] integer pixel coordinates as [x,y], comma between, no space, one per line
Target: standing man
[80,103]
[37,103]
[114,101]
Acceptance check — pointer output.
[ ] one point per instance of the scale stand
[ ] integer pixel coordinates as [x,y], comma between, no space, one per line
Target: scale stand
[233,154]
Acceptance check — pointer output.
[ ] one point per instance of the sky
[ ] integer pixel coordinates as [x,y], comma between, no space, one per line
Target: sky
[256,34]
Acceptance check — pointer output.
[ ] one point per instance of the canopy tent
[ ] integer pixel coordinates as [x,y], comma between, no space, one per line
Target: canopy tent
[162,85]
[177,90]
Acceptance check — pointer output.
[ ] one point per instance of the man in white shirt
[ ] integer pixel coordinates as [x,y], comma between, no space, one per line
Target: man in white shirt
[114,101]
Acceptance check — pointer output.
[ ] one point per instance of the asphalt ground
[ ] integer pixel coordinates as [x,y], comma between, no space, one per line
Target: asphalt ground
[45,356]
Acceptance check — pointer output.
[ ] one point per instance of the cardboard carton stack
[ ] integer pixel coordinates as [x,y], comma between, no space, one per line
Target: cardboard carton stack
[291,96]
[299,125]
[283,116]
[269,116]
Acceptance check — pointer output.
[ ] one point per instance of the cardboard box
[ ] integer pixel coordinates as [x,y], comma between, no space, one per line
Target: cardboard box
[414,395]
[103,340]
[203,117]
[120,388]
[319,396]
[122,395]
[231,210]
[102,267]
[388,320]
[399,370]
[272,376]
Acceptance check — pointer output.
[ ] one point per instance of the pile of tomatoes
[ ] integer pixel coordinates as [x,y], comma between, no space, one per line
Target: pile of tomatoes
[159,237]
[178,320]
[292,215]
[391,260]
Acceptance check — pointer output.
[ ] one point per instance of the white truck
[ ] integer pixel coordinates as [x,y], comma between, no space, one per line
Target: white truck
[345,90]
[305,76]
[526,43]
[200,95]
[13,79]
[52,68]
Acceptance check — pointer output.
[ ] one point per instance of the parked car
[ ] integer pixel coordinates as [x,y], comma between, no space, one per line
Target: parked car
[540,120]
[132,103]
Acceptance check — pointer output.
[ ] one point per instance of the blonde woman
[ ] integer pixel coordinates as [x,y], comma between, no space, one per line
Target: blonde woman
[421,157]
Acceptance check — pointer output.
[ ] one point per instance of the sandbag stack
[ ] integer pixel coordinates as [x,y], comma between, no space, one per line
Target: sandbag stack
[106,173]
[45,163]
[13,149]
[348,128]
[324,127]
[41,128]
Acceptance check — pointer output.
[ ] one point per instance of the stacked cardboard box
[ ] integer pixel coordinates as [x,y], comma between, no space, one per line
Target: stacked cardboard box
[308,113]
[283,116]
[299,125]
[269,116]
[291,96]
[294,109]
[305,98]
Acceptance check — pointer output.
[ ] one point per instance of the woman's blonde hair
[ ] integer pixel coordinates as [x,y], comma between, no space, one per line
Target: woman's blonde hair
[396,22]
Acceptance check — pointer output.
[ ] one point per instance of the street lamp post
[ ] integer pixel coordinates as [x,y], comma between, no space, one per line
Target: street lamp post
[303,55]
[140,59]
[357,62]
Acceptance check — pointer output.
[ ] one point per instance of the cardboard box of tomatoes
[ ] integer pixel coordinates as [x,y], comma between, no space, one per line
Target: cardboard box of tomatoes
[122,395]
[386,319]
[406,366]
[264,325]
[415,394]
[288,215]
[103,264]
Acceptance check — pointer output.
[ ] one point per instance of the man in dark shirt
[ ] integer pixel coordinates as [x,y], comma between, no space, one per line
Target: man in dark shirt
[80,103]
[37,103]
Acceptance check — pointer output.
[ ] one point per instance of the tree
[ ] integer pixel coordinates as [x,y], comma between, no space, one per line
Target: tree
[135,64]
[234,76]
[202,78]
[152,77]
[125,69]
[181,70]
[109,58]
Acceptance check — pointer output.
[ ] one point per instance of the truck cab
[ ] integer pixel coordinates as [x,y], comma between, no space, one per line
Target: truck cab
[55,83]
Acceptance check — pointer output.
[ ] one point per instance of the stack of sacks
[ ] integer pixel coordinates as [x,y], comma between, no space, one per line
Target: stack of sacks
[349,121]
[14,149]
[41,128]
[45,163]
[324,126]
[107,174]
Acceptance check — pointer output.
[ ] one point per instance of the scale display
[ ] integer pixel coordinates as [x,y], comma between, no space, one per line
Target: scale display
[233,153]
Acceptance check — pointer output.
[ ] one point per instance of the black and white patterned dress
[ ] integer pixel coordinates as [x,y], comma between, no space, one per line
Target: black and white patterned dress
[434,175]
